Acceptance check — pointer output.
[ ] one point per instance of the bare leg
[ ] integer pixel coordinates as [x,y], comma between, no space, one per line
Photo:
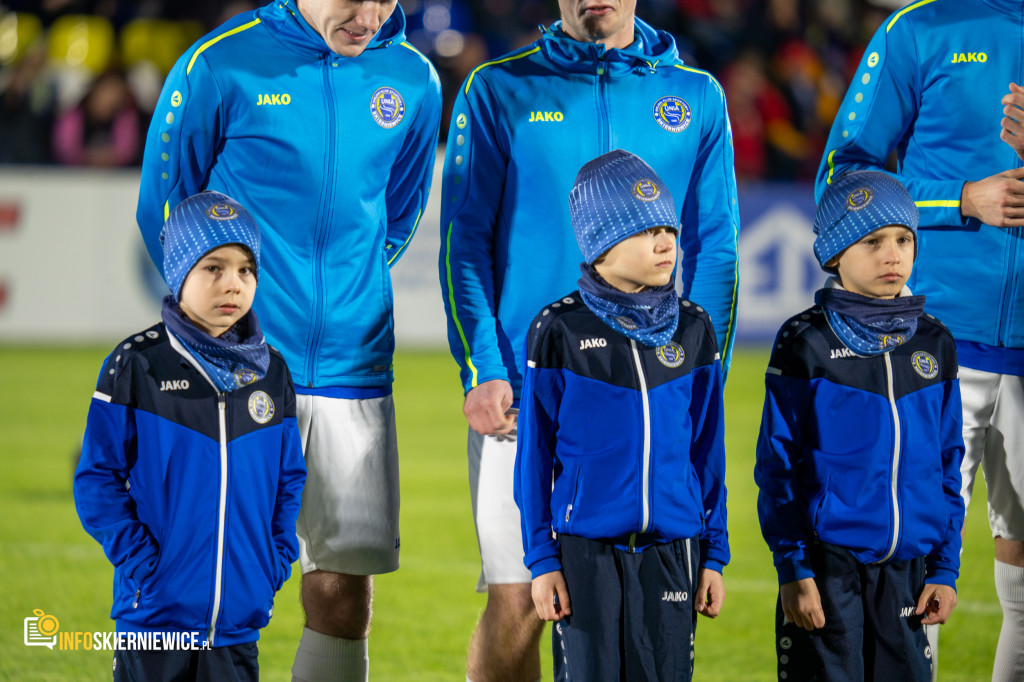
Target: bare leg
[339,609]
[506,643]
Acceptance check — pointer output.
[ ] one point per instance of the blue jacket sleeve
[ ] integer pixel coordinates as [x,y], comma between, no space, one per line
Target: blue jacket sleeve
[181,144]
[780,505]
[710,231]
[104,506]
[535,454]
[413,172]
[943,563]
[291,479]
[473,179]
[879,108]
[707,413]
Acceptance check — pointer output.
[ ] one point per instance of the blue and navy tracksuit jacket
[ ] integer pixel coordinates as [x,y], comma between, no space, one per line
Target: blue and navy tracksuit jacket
[861,452]
[522,127]
[194,494]
[929,87]
[332,155]
[633,436]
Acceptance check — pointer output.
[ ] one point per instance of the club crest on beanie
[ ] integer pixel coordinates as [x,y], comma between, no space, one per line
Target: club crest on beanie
[856,204]
[200,224]
[616,196]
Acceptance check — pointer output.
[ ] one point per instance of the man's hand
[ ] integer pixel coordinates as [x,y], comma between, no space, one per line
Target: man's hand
[551,596]
[1013,119]
[710,593]
[801,604]
[996,200]
[487,408]
[936,603]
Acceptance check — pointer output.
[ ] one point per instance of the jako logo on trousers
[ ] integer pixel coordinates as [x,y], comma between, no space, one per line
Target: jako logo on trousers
[675,596]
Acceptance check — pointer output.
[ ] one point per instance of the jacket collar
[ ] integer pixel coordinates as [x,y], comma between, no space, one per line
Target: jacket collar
[283,19]
[651,49]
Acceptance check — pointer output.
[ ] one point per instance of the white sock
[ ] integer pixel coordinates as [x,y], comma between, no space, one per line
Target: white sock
[1009,663]
[322,658]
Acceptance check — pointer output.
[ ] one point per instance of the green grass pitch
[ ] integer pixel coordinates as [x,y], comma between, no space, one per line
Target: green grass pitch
[424,612]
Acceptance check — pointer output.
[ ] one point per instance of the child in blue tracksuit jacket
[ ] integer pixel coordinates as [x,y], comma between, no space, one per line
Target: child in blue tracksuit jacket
[191,472]
[622,408]
[858,459]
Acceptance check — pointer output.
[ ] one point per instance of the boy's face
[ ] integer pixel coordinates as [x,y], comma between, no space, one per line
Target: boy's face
[879,264]
[347,26]
[644,260]
[219,290]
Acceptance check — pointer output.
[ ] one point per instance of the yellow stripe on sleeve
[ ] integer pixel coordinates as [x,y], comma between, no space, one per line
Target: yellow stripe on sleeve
[219,38]
[472,75]
[903,11]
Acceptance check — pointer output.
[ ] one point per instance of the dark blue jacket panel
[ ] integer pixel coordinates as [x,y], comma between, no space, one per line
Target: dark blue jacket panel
[193,494]
[861,452]
[632,436]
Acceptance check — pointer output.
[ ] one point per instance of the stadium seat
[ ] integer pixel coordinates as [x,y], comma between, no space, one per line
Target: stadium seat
[158,41]
[81,41]
[18,30]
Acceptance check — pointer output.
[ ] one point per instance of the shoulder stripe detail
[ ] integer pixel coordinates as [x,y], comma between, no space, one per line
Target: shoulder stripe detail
[531,363]
[418,53]
[831,166]
[772,370]
[903,11]
[938,203]
[472,75]
[101,396]
[406,242]
[451,305]
[219,38]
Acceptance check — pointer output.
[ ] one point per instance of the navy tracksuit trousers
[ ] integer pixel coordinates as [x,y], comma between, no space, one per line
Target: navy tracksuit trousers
[632,612]
[870,633]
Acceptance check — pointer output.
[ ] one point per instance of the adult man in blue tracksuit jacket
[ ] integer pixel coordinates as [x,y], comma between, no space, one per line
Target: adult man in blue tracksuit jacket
[929,87]
[522,127]
[318,113]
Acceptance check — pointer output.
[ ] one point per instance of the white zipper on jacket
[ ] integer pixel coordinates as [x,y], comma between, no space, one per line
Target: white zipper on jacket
[222,424]
[647,438]
[895,464]
[221,509]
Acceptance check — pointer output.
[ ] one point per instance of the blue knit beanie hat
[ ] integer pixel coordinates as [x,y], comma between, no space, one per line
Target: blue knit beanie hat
[856,204]
[200,224]
[616,196]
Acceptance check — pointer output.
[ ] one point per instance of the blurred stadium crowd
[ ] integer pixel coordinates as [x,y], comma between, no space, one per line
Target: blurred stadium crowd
[79,78]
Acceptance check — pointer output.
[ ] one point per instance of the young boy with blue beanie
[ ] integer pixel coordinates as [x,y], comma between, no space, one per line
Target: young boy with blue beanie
[858,458]
[191,472]
[622,408]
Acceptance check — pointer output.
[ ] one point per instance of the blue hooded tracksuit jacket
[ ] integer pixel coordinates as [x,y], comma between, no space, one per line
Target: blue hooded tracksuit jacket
[332,155]
[522,127]
[193,493]
[929,86]
[633,437]
[861,452]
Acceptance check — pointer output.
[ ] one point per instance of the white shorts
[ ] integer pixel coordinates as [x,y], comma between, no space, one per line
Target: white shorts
[994,438]
[492,461]
[349,517]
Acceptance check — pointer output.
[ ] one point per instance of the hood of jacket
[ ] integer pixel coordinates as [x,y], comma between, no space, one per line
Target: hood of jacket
[289,26]
[651,49]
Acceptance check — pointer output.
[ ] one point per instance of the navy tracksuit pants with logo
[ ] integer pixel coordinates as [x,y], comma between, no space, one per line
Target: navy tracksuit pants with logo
[632,613]
[870,633]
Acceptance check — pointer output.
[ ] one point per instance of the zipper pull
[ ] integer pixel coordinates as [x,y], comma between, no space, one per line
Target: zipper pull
[135,604]
[568,510]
